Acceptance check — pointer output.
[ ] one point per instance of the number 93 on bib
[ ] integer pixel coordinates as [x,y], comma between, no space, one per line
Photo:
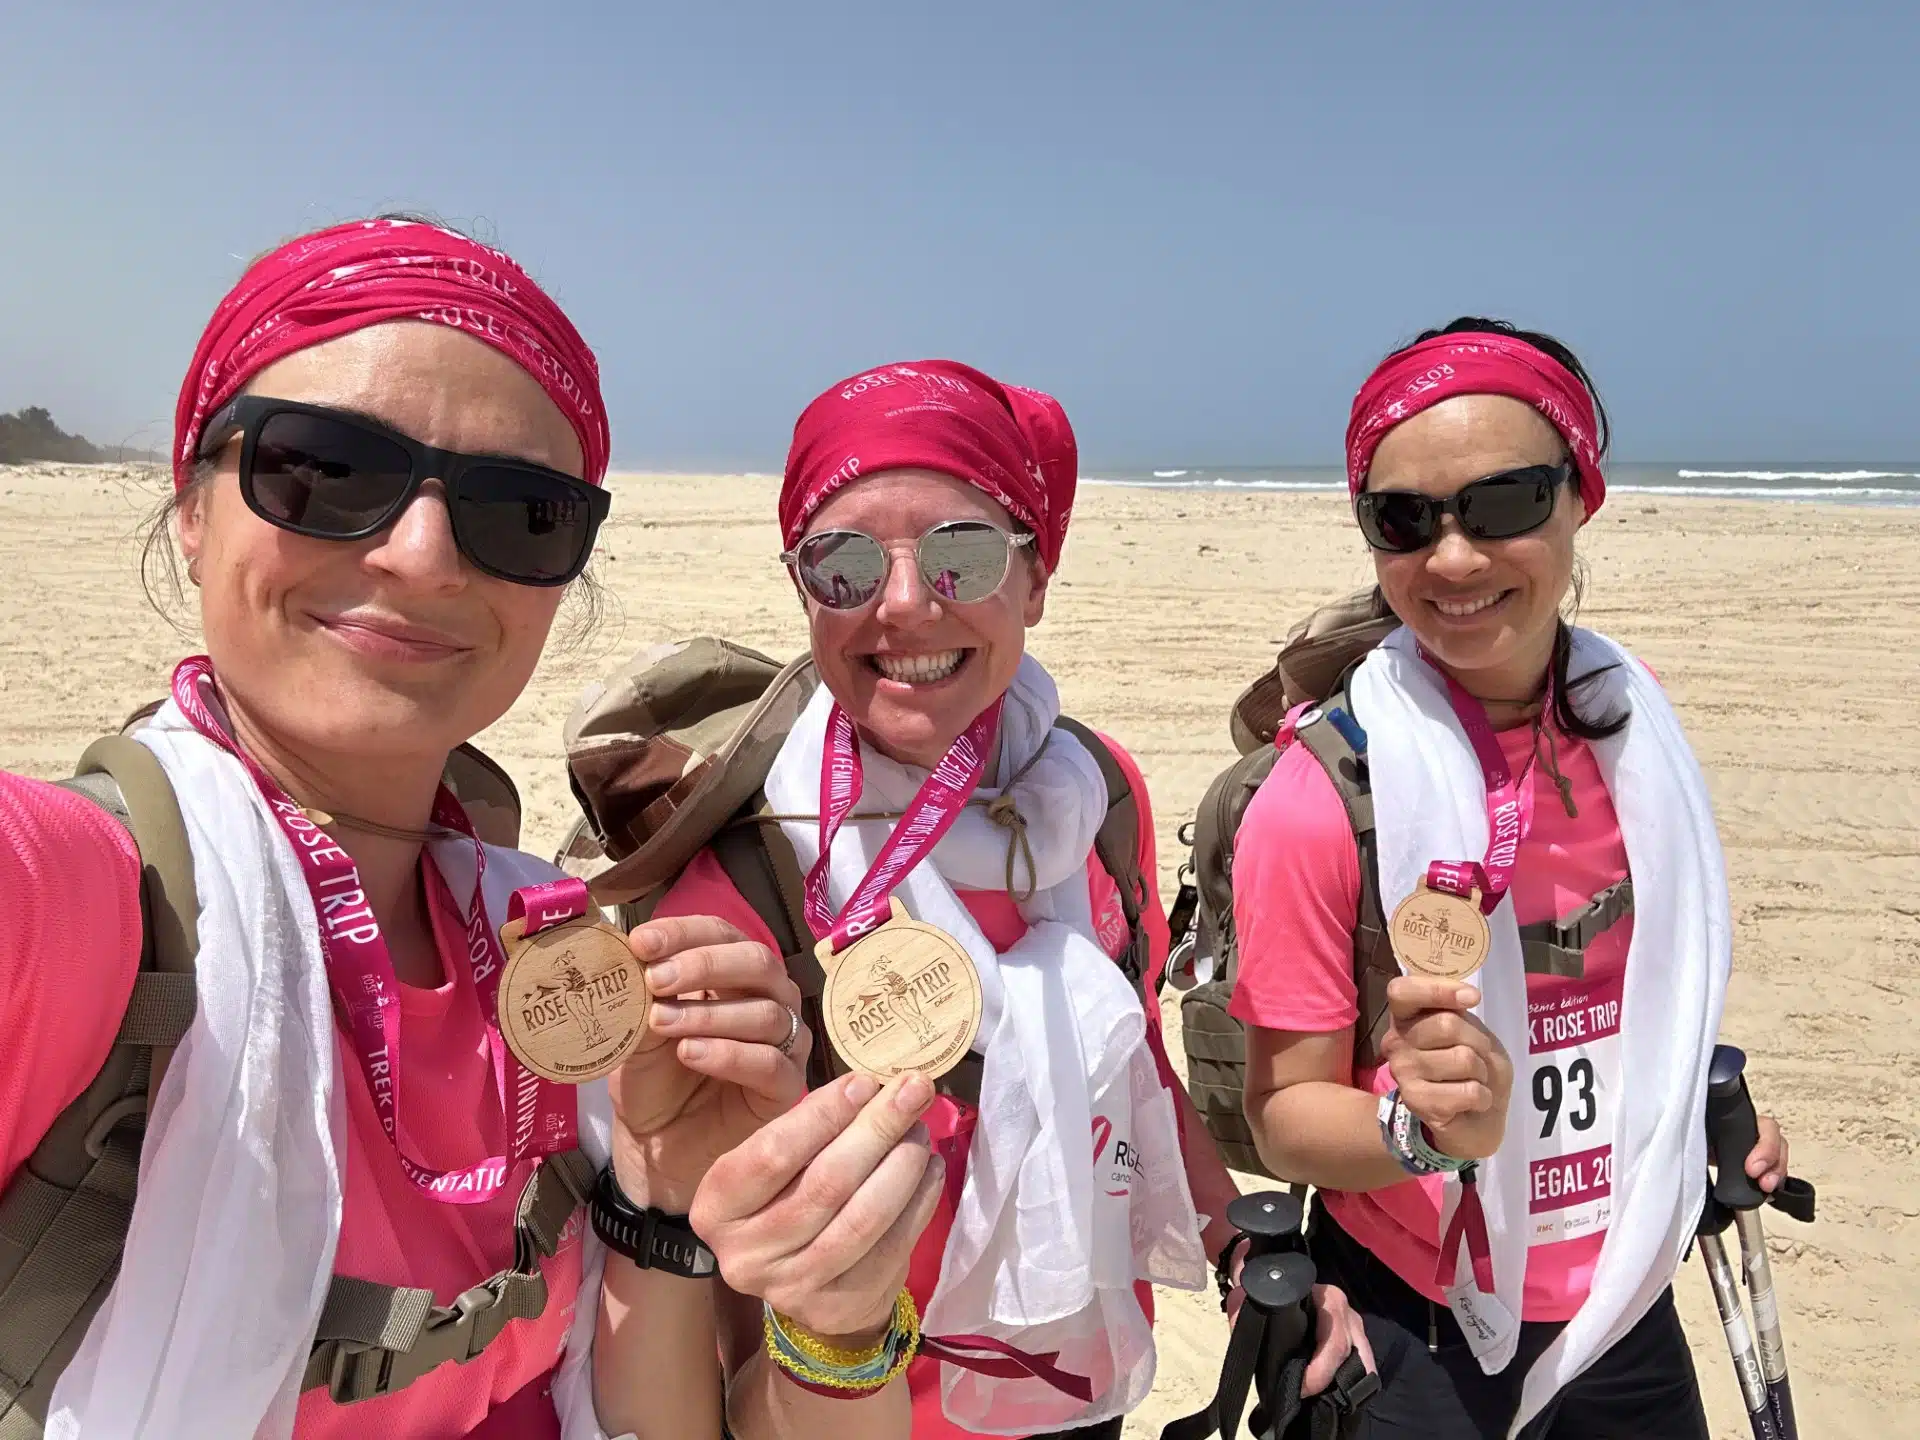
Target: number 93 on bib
[1573,1084]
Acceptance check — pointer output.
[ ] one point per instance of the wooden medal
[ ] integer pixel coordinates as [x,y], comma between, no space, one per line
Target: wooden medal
[1441,935]
[573,999]
[904,996]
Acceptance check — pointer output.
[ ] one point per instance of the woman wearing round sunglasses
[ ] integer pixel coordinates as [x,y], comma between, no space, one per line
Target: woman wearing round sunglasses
[924,509]
[388,465]
[1509,1164]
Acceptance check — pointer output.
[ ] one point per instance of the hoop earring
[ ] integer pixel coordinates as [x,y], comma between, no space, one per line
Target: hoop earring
[193,571]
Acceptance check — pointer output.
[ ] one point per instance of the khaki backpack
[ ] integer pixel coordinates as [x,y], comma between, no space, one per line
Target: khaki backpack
[1314,668]
[64,1215]
[667,757]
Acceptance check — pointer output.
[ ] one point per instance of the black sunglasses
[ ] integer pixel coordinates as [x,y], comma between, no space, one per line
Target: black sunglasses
[335,475]
[1499,507]
[961,560]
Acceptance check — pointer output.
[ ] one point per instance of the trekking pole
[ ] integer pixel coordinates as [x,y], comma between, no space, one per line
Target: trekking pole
[1272,1329]
[1760,1356]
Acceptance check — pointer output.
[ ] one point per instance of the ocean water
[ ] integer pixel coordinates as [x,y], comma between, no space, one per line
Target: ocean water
[1891,484]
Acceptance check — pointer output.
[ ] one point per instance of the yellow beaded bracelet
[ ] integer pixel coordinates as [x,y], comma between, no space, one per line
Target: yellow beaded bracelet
[819,1364]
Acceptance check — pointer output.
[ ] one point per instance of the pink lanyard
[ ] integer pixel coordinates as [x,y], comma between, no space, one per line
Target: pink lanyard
[1509,806]
[1509,819]
[360,970]
[935,806]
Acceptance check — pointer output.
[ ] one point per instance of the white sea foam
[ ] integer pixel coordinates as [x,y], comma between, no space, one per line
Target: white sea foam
[1795,492]
[1219,482]
[1835,476]
[1168,474]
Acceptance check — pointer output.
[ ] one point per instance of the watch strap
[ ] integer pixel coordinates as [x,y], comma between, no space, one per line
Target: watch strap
[651,1238]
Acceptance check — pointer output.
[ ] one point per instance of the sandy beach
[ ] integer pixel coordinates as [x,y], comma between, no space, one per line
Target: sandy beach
[1767,622]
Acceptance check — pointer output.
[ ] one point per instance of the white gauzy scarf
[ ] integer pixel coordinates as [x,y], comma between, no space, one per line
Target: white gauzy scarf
[209,1323]
[1429,803]
[1045,1248]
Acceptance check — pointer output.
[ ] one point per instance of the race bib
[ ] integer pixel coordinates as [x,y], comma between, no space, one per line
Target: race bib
[1573,1056]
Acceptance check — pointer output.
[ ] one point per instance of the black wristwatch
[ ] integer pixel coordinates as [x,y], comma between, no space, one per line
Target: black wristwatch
[651,1238]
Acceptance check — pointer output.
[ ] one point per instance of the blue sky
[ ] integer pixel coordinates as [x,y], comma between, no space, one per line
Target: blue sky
[1198,224]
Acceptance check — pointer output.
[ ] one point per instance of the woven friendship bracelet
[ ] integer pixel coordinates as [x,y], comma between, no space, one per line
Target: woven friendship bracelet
[1406,1139]
[830,1369]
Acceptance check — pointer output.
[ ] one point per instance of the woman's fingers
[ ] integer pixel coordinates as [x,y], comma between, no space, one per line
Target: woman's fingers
[760,1021]
[1767,1161]
[658,939]
[777,1081]
[738,967]
[862,1295]
[747,1178]
[1409,995]
[844,1164]
[1457,1062]
[865,1218]
[1443,1029]
[1338,1329]
[1440,1104]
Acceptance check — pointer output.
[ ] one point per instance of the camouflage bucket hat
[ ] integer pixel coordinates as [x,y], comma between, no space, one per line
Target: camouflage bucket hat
[663,753]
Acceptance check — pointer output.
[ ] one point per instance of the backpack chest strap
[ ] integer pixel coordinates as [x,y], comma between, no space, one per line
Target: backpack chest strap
[375,1339]
[1560,947]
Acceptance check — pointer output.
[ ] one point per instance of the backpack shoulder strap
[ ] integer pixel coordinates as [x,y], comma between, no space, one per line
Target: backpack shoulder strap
[761,865]
[65,1214]
[1334,737]
[1117,843]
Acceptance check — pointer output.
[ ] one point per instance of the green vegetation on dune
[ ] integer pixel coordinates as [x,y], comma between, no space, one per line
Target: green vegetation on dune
[30,434]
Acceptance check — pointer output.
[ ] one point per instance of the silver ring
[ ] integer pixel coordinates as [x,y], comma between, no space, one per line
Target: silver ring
[793,1030]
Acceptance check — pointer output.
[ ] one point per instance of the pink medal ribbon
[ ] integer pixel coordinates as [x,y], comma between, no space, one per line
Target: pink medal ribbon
[366,991]
[552,903]
[1509,819]
[1509,807]
[935,806]
[1469,1223]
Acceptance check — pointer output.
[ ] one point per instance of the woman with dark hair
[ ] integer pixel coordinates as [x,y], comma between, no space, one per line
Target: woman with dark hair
[1540,830]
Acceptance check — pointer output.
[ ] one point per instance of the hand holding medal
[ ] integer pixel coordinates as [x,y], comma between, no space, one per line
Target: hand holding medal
[573,1002]
[695,1025]
[900,995]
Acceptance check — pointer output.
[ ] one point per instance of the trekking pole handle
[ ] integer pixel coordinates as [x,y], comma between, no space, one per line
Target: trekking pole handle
[1732,1130]
[1266,1223]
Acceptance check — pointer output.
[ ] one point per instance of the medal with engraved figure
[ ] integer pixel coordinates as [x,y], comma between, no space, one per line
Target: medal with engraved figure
[573,999]
[904,996]
[1438,934]
[900,995]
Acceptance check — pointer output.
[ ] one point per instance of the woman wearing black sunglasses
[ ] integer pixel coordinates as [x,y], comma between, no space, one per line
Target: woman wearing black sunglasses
[356,1211]
[924,511]
[1507,1137]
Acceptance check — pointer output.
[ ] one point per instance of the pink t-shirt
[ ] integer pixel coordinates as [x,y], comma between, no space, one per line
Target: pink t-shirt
[704,889]
[67,961]
[1296,900]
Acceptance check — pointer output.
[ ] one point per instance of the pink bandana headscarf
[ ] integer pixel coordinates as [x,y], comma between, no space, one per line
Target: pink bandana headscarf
[1008,442]
[339,280]
[1475,363]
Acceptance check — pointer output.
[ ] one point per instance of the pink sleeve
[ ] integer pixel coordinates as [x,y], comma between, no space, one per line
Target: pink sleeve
[1152,915]
[1159,938]
[704,889]
[1296,900]
[68,953]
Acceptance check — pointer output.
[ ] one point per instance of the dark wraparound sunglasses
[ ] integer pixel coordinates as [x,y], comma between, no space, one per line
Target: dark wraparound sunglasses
[961,560]
[1499,507]
[334,475]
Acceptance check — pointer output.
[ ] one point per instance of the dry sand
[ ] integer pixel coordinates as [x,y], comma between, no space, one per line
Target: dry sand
[1770,624]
